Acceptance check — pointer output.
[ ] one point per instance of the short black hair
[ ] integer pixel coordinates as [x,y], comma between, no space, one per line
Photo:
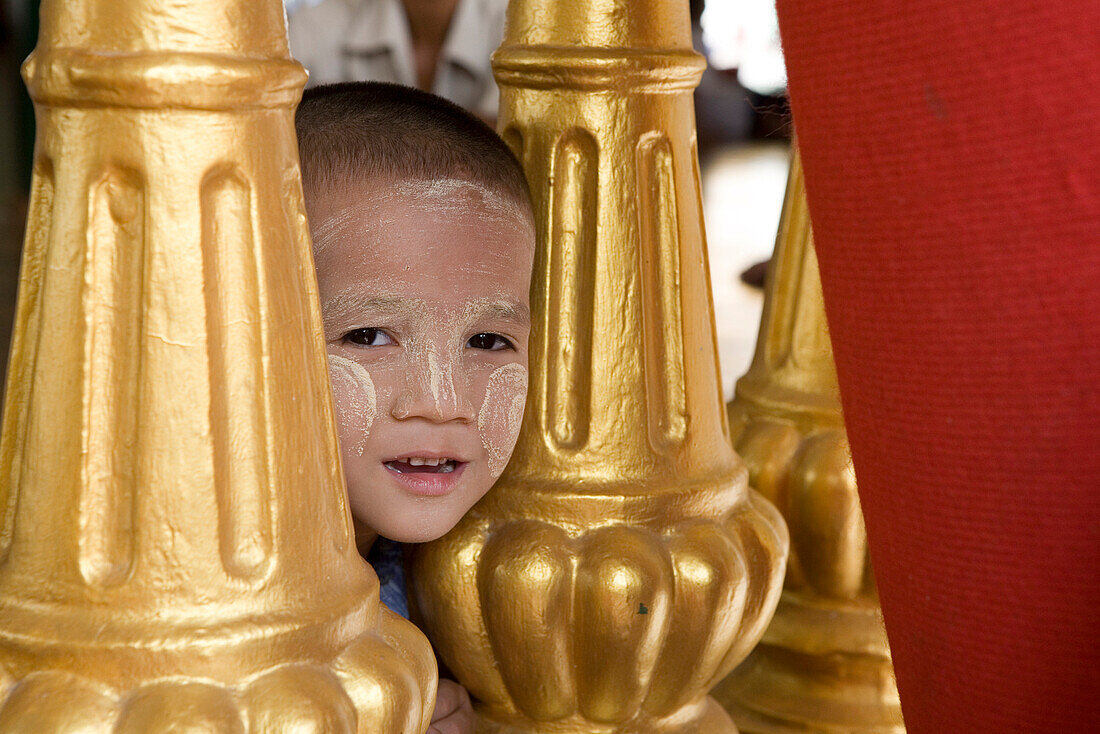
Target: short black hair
[356,131]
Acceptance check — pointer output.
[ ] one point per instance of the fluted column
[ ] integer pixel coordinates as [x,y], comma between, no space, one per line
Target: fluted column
[824,664]
[175,544]
[621,566]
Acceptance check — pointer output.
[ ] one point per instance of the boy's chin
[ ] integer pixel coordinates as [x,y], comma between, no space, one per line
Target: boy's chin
[419,527]
[417,535]
[384,506]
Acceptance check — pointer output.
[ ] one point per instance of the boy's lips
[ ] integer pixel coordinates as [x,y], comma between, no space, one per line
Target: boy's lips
[426,476]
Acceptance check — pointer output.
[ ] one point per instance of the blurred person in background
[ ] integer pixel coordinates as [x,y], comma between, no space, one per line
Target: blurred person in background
[723,115]
[741,99]
[439,46]
[18,30]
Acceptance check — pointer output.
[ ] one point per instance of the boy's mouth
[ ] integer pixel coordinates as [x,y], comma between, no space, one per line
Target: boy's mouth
[422,465]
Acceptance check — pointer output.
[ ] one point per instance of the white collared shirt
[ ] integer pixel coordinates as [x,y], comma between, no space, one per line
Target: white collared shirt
[352,40]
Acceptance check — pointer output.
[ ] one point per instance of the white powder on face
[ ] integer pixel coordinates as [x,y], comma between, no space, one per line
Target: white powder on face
[328,231]
[459,195]
[502,306]
[356,401]
[501,414]
[441,381]
[357,220]
[431,371]
[373,209]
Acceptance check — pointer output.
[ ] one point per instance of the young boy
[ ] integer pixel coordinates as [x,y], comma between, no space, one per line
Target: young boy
[423,239]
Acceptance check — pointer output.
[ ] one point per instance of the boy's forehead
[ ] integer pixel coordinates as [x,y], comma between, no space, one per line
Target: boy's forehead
[392,206]
[420,235]
[419,197]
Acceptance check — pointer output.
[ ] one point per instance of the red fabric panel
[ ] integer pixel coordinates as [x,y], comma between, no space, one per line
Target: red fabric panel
[952,159]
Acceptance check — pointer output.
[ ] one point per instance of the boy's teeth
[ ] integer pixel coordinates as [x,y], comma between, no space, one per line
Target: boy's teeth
[419,465]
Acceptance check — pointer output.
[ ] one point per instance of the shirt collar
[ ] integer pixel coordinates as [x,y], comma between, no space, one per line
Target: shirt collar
[378,26]
[382,26]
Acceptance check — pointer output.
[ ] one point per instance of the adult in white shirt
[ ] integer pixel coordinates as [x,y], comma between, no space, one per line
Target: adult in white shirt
[440,46]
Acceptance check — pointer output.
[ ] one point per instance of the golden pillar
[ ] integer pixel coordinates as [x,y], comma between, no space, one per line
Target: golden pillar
[175,545]
[621,566]
[824,664]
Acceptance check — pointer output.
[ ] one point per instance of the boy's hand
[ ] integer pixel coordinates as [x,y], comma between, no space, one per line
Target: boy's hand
[453,713]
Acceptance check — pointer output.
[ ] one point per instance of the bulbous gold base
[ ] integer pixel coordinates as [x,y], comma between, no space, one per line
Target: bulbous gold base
[756,722]
[821,667]
[374,685]
[703,717]
[619,628]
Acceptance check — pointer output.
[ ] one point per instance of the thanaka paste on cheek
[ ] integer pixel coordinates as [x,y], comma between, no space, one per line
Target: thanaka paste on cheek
[356,401]
[501,414]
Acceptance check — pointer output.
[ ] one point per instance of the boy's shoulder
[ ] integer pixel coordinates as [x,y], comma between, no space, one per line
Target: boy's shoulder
[388,561]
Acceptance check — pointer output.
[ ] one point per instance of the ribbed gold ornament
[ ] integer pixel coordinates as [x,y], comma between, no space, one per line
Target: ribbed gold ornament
[824,663]
[621,566]
[175,545]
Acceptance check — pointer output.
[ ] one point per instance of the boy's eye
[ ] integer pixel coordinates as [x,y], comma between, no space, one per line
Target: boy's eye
[489,342]
[368,337]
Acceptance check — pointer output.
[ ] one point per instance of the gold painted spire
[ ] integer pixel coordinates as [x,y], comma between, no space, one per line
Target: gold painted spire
[621,566]
[175,545]
[824,663]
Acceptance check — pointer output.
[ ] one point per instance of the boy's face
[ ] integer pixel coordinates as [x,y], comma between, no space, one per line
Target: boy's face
[424,294]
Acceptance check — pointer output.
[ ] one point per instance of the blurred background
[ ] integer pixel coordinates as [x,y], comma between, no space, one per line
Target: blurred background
[741,111]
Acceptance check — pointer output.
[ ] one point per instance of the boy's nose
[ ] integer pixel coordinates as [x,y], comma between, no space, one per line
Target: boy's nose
[435,394]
